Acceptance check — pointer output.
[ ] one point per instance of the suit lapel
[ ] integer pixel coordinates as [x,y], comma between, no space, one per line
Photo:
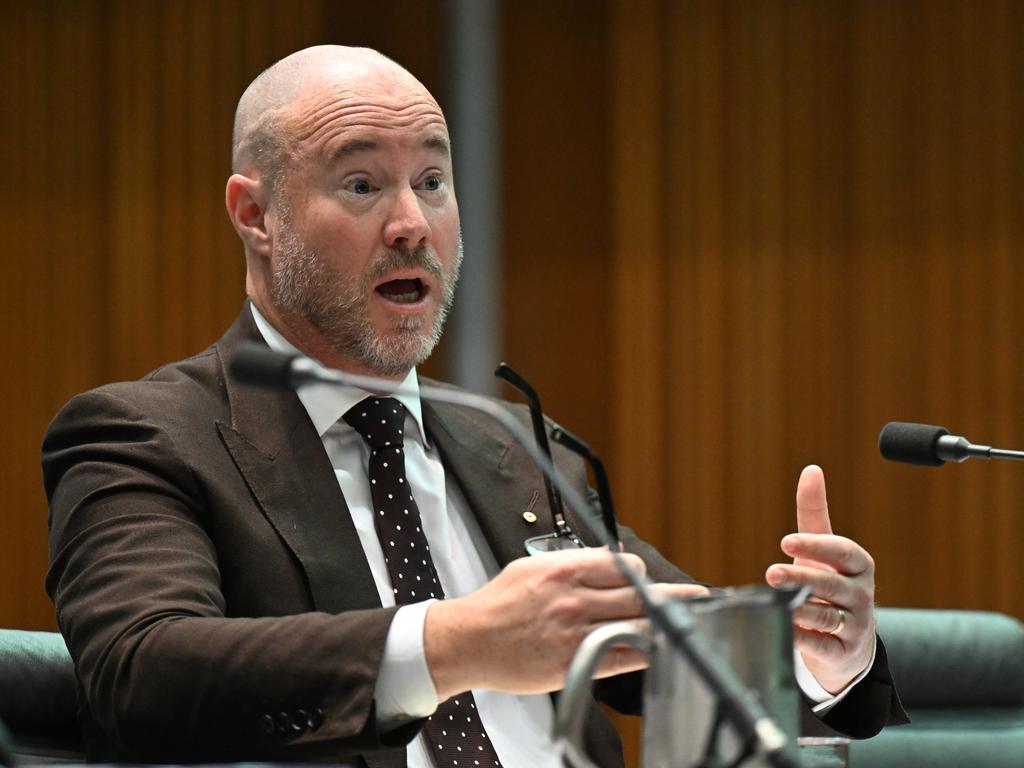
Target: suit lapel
[495,476]
[281,458]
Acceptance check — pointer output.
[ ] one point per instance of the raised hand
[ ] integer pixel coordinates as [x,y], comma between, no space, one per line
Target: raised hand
[835,629]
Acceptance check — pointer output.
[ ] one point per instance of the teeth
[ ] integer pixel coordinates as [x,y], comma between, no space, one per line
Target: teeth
[404,298]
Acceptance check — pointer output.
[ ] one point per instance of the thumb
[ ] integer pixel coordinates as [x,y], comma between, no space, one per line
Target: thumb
[811,502]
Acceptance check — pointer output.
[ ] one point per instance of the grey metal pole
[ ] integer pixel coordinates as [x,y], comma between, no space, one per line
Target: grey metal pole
[474,346]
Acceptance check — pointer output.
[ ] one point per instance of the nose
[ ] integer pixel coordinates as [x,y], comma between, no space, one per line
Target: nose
[406,226]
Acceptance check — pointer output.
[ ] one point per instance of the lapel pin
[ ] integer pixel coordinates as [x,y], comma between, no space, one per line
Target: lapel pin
[529,516]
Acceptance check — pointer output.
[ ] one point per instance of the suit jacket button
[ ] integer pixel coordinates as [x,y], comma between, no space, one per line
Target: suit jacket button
[299,721]
[284,722]
[316,718]
[267,724]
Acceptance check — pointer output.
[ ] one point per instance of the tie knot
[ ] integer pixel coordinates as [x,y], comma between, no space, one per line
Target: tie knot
[380,420]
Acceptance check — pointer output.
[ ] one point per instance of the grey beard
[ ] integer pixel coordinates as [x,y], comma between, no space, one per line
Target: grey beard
[304,284]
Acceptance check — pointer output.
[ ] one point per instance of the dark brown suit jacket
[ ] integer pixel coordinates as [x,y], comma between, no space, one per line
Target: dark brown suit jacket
[211,586]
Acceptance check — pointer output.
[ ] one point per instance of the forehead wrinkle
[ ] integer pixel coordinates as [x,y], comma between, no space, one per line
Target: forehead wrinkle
[341,105]
[342,131]
[353,119]
[336,144]
[434,142]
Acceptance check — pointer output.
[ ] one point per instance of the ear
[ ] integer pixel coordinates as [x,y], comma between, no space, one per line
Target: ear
[247,200]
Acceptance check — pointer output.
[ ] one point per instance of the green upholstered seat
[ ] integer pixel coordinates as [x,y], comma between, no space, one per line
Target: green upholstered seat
[960,674]
[38,698]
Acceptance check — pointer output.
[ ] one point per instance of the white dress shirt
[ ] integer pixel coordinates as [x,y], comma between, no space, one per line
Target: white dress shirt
[520,727]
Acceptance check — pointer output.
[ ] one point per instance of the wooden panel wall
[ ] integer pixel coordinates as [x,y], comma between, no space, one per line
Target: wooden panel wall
[818,229]
[778,226]
[754,233]
[556,202]
[740,237]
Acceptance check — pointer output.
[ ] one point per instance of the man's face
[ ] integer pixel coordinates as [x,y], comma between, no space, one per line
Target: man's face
[367,245]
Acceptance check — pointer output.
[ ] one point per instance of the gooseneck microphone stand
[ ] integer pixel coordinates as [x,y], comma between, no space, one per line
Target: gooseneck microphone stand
[256,364]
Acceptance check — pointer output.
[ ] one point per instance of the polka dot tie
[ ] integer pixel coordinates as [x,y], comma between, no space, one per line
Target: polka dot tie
[457,737]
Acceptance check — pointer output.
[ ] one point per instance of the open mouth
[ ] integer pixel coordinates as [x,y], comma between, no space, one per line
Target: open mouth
[405,291]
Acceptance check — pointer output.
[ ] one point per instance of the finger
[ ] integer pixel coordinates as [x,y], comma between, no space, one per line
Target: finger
[592,606]
[818,645]
[601,569]
[679,590]
[844,555]
[811,502]
[621,659]
[591,567]
[824,618]
[624,657]
[834,588]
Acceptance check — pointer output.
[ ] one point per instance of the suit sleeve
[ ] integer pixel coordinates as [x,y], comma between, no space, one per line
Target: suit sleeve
[871,705]
[164,671]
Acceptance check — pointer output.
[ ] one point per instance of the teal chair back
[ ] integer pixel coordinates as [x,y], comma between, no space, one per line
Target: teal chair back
[960,675]
[38,698]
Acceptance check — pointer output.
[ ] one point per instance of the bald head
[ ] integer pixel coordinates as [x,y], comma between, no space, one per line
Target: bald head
[270,115]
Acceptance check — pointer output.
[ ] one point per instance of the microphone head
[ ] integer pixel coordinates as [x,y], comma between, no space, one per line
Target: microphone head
[911,443]
[259,365]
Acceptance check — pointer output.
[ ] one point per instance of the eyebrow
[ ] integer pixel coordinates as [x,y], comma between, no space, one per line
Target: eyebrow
[354,146]
[436,143]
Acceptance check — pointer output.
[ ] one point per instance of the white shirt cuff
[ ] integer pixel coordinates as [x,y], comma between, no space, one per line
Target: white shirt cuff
[824,701]
[404,691]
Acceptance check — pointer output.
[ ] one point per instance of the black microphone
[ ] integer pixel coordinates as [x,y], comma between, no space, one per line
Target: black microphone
[927,445]
[260,366]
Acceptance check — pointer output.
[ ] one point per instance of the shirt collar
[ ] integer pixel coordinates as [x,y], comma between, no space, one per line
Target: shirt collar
[327,403]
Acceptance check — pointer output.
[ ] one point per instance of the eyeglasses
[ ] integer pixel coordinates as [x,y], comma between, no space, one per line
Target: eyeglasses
[563,537]
[564,437]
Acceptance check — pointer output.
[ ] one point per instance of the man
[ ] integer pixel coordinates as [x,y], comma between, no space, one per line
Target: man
[226,562]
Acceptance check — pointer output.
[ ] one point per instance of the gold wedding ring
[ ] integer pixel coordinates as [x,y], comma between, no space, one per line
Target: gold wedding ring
[839,626]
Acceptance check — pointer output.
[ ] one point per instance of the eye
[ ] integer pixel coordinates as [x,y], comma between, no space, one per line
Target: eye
[360,187]
[432,183]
